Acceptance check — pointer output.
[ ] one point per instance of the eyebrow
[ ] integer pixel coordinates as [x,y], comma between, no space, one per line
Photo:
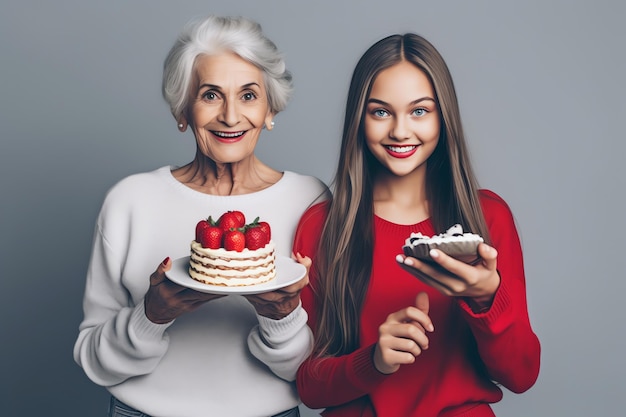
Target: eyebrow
[414,102]
[217,87]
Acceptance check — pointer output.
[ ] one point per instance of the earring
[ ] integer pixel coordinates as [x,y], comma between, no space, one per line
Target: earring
[180,125]
[272,123]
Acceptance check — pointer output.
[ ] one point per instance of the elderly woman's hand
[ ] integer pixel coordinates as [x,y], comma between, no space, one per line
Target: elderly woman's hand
[278,304]
[166,300]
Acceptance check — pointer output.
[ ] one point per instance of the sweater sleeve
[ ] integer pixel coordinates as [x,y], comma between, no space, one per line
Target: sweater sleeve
[328,381]
[506,342]
[282,344]
[331,381]
[116,340]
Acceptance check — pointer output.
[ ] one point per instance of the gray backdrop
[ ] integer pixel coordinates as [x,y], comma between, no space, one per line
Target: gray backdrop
[542,98]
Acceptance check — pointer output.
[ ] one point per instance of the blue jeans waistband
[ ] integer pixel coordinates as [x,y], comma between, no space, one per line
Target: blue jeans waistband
[119,409]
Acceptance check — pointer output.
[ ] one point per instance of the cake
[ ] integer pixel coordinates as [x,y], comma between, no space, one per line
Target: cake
[459,245]
[231,268]
[229,252]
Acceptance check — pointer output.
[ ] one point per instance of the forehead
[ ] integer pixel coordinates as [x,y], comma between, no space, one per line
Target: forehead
[226,68]
[401,82]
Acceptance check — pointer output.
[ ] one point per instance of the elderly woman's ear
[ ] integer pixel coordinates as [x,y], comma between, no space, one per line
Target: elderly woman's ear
[182,124]
[269,121]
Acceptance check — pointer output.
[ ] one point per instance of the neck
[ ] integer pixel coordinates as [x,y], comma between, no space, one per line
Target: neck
[242,177]
[401,199]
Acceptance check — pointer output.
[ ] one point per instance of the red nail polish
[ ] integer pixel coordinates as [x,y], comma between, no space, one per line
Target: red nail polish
[166,260]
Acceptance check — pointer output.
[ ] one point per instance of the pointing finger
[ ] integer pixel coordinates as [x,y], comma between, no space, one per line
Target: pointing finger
[422,302]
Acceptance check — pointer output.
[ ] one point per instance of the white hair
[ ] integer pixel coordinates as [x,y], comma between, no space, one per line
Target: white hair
[213,35]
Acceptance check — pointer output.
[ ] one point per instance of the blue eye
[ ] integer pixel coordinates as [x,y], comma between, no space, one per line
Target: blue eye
[380,113]
[420,112]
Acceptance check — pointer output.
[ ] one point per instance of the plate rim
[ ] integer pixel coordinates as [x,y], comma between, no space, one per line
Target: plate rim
[177,269]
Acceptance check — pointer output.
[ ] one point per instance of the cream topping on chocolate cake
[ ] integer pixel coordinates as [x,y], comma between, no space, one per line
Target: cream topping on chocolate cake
[453,234]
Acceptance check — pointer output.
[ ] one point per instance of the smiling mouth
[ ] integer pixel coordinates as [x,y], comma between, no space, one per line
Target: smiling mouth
[401,149]
[228,135]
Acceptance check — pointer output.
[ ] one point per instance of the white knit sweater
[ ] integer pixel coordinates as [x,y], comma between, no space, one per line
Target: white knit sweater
[220,360]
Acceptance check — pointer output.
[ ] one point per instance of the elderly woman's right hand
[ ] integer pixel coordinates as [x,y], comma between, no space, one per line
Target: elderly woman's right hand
[166,300]
[280,303]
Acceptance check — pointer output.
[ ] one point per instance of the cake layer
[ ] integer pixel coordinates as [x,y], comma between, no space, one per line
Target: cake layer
[231,268]
[231,282]
[234,271]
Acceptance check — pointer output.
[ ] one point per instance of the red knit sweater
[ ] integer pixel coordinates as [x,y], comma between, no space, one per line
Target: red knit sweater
[469,354]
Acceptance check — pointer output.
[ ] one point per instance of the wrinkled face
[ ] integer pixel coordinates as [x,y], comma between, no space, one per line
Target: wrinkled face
[402,119]
[228,107]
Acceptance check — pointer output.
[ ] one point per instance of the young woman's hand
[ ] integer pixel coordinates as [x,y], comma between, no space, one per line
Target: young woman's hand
[477,283]
[402,337]
[166,300]
[278,304]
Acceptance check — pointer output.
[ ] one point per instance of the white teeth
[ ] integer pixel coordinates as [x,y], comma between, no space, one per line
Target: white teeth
[401,149]
[228,134]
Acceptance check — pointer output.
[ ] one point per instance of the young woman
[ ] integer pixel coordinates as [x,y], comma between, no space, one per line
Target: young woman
[395,336]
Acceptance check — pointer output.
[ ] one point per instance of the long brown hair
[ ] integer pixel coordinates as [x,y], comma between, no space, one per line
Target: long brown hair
[346,246]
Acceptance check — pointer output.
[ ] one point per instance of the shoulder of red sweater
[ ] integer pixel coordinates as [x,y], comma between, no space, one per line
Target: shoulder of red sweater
[498,215]
[310,226]
[315,214]
[492,202]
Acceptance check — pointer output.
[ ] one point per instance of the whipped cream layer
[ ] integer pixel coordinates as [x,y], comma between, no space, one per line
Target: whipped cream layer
[452,235]
[232,268]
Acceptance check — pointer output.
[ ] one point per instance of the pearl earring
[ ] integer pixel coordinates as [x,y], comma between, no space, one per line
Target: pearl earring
[180,125]
[272,123]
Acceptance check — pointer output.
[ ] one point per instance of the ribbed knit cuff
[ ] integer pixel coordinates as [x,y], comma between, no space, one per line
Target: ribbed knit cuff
[143,327]
[500,309]
[280,330]
[365,377]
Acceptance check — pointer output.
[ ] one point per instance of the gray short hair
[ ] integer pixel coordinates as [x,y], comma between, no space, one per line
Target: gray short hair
[215,34]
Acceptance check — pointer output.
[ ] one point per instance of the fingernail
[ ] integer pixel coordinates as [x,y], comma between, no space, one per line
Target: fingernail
[433,253]
[399,258]
[430,328]
[408,261]
[165,261]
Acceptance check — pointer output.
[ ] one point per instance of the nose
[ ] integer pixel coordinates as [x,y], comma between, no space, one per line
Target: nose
[400,129]
[230,113]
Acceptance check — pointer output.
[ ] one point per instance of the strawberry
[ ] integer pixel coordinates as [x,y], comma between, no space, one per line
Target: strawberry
[240,217]
[231,220]
[211,237]
[200,227]
[255,238]
[265,226]
[234,239]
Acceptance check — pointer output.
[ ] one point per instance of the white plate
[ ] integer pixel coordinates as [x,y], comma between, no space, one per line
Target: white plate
[288,272]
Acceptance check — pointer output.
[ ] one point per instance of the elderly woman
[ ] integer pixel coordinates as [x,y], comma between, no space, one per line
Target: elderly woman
[166,350]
